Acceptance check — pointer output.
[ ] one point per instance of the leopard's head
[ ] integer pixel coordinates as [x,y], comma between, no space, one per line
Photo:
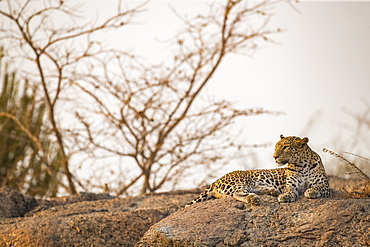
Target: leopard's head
[289,149]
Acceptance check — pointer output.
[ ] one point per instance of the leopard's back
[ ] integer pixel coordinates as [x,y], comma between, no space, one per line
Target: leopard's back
[245,182]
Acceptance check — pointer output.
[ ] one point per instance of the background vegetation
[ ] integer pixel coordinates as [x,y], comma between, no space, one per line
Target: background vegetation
[71,103]
[22,136]
[84,102]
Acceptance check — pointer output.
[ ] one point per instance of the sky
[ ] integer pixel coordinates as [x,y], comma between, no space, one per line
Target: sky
[320,67]
[316,70]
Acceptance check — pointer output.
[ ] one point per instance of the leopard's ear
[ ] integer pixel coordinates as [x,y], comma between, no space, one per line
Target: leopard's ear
[282,137]
[303,141]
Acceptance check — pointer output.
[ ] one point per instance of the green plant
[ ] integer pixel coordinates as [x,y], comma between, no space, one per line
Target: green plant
[23,143]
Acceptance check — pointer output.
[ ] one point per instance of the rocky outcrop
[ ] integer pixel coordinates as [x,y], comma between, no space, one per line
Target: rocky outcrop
[226,222]
[90,219]
[82,220]
[14,204]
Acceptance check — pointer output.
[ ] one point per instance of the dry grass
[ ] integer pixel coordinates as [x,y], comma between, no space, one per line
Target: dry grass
[354,192]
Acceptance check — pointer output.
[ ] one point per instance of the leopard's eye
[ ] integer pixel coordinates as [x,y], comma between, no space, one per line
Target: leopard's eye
[285,147]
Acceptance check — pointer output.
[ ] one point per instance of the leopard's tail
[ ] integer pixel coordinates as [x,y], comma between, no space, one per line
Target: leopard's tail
[207,194]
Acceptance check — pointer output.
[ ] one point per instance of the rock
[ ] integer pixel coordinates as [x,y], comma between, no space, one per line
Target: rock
[97,227]
[14,204]
[90,219]
[223,222]
[69,221]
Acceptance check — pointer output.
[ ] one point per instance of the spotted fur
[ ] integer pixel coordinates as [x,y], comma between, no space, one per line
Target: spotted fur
[304,174]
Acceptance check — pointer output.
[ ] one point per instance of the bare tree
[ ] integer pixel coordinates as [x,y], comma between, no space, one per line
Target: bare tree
[47,52]
[153,114]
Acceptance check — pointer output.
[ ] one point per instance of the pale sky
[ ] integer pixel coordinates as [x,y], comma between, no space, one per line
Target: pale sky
[319,66]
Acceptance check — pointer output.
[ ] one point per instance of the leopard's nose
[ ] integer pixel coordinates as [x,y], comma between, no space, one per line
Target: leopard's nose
[275,156]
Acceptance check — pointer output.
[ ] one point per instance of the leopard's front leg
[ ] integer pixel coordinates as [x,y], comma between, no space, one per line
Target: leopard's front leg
[289,194]
[321,190]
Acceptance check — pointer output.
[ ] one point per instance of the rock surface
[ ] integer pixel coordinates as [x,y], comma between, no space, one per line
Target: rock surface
[85,220]
[101,220]
[14,204]
[226,222]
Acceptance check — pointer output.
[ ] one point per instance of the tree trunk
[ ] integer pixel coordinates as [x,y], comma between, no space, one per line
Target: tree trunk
[146,186]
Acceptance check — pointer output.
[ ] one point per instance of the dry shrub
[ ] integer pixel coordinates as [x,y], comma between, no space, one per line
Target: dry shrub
[356,191]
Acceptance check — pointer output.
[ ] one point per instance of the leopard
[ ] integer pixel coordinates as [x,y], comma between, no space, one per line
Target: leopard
[301,172]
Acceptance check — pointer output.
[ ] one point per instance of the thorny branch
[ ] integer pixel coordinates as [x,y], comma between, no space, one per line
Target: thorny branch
[152,115]
[358,170]
[34,37]
[155,116]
